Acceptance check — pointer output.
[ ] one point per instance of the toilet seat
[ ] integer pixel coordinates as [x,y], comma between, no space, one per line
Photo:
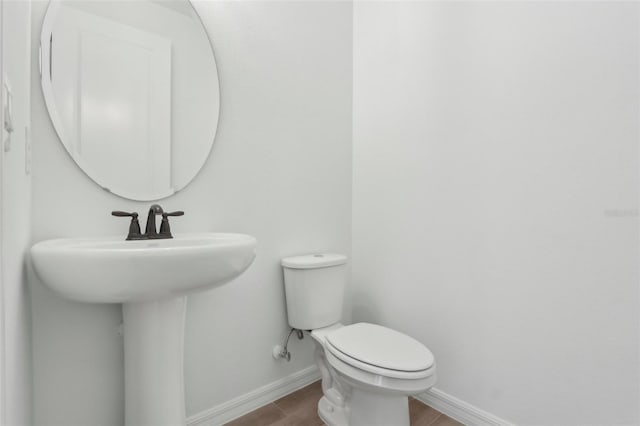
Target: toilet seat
[381,380]
[381,351]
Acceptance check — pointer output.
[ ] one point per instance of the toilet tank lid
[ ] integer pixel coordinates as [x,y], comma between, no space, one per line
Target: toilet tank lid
[311,261]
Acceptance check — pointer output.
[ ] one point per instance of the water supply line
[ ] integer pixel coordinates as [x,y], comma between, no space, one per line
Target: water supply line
[282,351]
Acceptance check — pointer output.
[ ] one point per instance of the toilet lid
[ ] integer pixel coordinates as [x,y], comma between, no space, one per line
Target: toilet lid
[381,347]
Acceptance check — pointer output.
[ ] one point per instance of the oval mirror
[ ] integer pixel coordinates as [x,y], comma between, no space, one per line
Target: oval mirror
[132,91]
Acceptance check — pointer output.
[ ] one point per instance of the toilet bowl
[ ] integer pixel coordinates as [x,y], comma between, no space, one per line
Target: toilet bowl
[368,371]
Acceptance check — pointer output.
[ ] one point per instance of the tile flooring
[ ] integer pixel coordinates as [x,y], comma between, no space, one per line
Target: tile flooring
[301,409]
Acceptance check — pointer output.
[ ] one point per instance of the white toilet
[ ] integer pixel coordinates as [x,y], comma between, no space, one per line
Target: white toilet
[368,371]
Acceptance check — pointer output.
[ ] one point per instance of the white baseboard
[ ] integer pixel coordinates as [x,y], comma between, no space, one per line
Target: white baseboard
[248,402]
[460,410]
[230,410]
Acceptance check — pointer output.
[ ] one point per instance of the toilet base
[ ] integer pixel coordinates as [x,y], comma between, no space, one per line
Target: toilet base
[376,409]
[331,414]
[366,409]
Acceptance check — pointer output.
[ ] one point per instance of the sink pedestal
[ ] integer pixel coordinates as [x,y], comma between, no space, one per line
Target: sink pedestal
[153,362]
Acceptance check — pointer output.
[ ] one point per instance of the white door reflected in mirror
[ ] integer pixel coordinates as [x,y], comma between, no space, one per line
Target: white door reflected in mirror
[132,90]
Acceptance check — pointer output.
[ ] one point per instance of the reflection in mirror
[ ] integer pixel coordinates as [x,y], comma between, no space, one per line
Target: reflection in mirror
[132,91]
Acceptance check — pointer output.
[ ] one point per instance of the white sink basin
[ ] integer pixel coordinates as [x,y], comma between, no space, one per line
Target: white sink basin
[111,270]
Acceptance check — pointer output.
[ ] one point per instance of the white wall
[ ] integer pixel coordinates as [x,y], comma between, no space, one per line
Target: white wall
[16,205]
[495,190]
[2,346]
[280,170]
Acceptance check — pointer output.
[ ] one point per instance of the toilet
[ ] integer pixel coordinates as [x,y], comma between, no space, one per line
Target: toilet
[368,371]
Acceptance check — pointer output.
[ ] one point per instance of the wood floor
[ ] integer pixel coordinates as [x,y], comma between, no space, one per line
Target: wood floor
[301,409]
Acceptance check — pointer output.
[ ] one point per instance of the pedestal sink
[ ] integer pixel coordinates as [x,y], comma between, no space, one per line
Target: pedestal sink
[151,278]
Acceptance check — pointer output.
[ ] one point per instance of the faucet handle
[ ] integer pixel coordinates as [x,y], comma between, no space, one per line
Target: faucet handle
[124,214]
[134,226]
[165,229]
[177,213]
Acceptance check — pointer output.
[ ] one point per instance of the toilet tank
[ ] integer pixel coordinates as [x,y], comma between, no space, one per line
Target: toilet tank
[314,287]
